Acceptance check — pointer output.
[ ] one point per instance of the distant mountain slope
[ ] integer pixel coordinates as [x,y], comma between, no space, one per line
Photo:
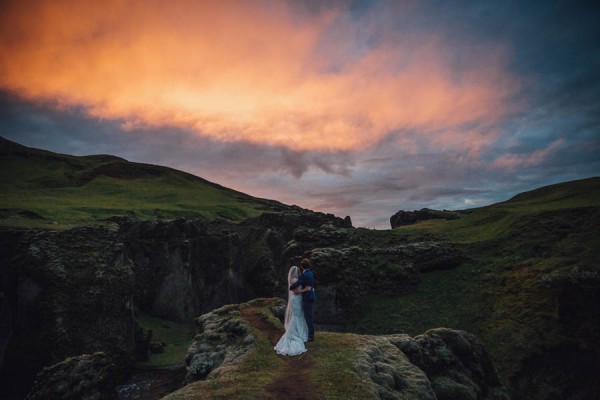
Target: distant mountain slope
[42,188]
[499,219]
[561,194]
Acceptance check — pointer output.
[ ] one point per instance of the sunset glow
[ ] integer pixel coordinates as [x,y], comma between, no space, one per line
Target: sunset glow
[261,72]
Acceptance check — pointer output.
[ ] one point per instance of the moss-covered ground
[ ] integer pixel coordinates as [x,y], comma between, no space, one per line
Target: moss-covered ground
[176,336]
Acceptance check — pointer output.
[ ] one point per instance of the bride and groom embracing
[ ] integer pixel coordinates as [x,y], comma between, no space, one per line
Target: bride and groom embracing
[299,312]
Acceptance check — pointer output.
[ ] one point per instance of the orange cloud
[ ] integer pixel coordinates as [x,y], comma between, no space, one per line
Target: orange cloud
[252,71]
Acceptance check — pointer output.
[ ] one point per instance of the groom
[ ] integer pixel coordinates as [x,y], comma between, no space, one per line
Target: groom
[307,278]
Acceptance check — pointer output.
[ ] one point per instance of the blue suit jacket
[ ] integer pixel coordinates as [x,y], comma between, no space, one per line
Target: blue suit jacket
[306,279]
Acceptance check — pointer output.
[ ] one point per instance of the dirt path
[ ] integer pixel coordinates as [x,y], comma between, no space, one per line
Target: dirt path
[294,381]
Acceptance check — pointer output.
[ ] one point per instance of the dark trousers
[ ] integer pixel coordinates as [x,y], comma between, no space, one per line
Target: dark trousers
[307,307]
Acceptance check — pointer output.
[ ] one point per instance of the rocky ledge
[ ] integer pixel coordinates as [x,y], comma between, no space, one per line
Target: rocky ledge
[86,377]
[439,364]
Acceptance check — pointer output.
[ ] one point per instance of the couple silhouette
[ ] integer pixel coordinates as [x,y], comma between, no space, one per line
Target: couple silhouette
[298,323]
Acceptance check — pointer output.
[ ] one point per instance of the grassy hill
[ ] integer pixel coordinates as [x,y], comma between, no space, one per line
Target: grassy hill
[45,189]
[499,220]
[529,289]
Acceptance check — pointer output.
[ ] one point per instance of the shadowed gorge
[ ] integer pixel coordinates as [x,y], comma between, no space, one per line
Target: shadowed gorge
[489,303]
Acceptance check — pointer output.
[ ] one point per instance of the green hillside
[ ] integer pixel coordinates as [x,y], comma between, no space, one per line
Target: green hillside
[529,288]
[499,220]
[45,189]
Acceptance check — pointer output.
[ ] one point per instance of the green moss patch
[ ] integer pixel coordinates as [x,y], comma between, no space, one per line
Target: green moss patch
[176,336]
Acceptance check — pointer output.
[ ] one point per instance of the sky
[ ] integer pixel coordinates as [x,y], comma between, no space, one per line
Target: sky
[359,108]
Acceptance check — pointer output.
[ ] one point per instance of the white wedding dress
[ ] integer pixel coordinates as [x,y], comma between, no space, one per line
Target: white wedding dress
[296,330]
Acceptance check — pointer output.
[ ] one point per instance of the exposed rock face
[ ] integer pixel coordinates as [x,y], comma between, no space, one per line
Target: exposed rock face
[562,372]
[567,369]
[70,293]
[402,218]
[5,326]
[85,377]
[184,268]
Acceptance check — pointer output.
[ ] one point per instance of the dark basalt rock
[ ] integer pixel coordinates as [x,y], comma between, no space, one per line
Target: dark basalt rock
[5,326]
[440,364]
[184,268]
[456,362]
[562,372]
[69,293]
[85,377]
[157,347]
[143,340]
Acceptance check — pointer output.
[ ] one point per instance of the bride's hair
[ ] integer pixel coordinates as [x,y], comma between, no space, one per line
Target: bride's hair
[294,272]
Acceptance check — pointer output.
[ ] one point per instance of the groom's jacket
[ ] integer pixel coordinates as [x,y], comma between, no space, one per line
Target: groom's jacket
[306,279]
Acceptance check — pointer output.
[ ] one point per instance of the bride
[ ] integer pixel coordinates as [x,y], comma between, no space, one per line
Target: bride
[296,331]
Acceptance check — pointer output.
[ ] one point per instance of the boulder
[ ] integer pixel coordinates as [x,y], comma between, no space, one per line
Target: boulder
[157,347]
[84,377]
[441,364]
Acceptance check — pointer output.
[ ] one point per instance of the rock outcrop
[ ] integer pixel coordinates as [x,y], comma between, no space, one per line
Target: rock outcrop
[402,218]
[5,326]
[85,377]
[69,293]
[439,364]
[224,337]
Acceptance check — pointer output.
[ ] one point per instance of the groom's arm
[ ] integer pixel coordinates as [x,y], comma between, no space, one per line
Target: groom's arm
[299,282]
